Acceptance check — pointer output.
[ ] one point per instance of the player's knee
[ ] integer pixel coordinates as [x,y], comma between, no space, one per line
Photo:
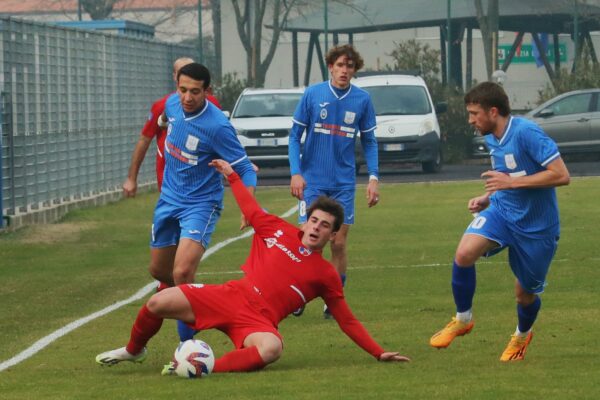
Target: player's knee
[464,257]
[525,299]
[154,304]
[183,274]
[158,274]
[270,351]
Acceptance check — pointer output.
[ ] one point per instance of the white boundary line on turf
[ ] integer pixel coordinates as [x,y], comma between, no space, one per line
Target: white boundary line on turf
[46,340]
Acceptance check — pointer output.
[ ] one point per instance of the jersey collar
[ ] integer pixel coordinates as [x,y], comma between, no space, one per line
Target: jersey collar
[506,130]
[335,93]
[199,113]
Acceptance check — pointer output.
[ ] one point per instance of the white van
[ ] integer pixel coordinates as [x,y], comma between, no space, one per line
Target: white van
[262,119]
[407,126]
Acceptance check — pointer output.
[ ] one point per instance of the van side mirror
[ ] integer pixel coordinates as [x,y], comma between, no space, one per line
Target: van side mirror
[227,114]
[441,107]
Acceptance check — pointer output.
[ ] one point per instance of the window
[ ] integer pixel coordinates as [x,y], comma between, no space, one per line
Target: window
[399,100]
[267,105]
[576,104]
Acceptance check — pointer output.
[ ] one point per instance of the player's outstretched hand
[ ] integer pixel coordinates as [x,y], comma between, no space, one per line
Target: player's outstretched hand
[393,356]
[221,166]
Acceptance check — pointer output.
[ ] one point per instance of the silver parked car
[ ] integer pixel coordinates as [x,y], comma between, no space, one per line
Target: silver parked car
[572,119]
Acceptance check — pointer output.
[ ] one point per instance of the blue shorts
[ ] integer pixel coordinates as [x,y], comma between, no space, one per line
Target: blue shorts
[344,197]
[171,223]
[529,258]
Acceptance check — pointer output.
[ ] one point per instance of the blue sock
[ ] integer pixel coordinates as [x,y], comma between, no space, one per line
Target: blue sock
[528,314]
[343,276]
[463,286]
[185,332]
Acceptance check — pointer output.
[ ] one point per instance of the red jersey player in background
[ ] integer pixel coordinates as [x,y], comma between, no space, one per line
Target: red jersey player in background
[285,270]
[152,130]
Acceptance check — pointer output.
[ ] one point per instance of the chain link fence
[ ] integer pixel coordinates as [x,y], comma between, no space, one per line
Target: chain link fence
[72,105]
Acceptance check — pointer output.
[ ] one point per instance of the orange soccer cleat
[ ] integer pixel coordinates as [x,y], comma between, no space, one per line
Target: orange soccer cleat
[516,348]
[454,328]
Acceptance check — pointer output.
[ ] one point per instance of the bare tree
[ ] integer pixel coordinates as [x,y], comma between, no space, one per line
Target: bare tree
[488,25]
[216,19]
[249,15]
[98,9]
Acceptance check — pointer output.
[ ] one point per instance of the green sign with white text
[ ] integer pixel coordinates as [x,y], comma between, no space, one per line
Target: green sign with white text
[526,54]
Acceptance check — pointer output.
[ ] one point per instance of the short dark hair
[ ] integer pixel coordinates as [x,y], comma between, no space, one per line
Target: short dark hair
[488,95]
[330,206]
[197,72]
[345,50]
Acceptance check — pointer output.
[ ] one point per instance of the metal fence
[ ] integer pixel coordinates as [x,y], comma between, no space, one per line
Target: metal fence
[72,106]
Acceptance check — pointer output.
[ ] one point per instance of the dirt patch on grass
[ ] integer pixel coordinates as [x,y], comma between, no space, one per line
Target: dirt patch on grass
[54,233]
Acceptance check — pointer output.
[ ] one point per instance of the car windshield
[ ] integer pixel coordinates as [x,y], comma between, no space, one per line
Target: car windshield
[399,100]
[267,105]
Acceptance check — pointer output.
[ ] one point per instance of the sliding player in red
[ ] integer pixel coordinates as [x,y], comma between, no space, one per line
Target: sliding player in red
[284,271]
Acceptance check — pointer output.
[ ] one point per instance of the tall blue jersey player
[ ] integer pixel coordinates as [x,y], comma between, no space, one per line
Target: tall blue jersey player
[191,199]
[518,211]
[333,114]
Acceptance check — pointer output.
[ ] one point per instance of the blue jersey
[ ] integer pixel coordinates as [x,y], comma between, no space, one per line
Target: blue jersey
[523,150]
[192,142]
[333,120]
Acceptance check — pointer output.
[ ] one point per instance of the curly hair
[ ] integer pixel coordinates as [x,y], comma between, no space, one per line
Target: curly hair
[345,50]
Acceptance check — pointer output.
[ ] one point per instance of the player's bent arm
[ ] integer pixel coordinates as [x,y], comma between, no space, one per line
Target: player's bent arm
[555,174]
[137,157]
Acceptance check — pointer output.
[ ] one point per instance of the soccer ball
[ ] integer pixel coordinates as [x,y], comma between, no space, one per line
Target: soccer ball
[193,359]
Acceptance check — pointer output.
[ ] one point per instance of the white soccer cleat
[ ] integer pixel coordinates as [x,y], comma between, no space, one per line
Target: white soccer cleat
[113,357]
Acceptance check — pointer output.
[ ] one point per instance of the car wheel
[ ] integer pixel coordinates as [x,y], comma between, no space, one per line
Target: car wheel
[434,165]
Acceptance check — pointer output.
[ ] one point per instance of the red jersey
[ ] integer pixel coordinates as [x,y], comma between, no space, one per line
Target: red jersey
[287,275]
[152,130]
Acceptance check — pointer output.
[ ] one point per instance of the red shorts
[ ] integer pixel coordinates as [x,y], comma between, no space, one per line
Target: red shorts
[232,308]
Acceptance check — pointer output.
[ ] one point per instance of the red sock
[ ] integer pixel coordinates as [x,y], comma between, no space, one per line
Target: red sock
[161,286]
[146,325]
[242,360]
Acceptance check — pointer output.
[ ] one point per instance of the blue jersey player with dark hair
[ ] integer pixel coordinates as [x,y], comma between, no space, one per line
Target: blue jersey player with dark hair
[191,199]
[518,211]
[333,114]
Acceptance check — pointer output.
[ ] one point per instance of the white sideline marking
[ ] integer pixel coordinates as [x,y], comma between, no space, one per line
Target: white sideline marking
[45,341]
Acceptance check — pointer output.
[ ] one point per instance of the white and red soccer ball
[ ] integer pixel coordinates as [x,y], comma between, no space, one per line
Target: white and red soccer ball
[193,359]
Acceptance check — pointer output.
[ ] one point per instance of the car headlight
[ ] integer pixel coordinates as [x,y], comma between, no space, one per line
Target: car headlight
[426,127]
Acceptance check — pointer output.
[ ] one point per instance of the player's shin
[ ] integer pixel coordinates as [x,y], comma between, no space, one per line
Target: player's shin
[242,360]
[527,315]
[463,290]
[185,332]
[146,325]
